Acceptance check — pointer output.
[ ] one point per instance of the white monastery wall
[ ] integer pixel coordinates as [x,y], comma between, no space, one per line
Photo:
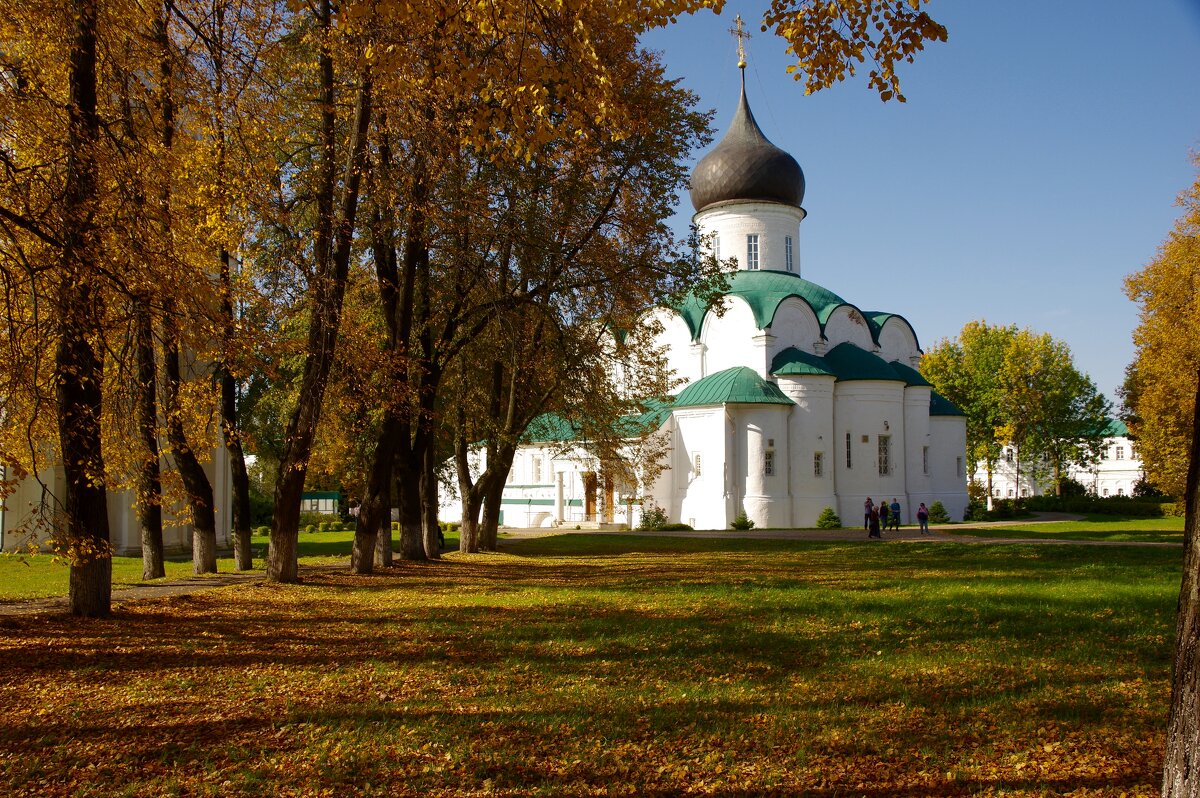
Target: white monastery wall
[701,440]
[947,453]
[810,433]
[917,451]
[846,324]
[759,463]
[897,342]
[863,411]
[684,358]
[726,338]
[796,325]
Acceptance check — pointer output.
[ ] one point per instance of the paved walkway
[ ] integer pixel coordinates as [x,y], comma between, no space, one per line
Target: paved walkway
[939,534]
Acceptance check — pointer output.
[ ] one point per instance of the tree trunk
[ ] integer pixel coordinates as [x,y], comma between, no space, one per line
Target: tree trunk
[195,480]
[375,512]
[429,507]
[408,497]
[1181,767]
[77,368]
[149,489]
[326,293]
[243,556]
[470,494]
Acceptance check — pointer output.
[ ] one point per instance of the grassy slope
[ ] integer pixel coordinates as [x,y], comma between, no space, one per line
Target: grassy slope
[597,665]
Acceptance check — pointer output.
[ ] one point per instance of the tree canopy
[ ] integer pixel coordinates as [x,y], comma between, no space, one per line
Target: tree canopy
[1158,390]
[1019,388]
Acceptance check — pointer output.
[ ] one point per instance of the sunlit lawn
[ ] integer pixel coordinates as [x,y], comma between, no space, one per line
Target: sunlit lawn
[598,665]
[41,575]
[1096,527]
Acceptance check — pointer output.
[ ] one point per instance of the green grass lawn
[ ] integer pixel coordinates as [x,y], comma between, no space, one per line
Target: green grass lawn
[601,665]
[41,575]
[1096,527]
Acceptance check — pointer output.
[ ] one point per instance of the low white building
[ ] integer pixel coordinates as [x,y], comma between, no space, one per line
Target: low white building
[1114,474]
[792,399]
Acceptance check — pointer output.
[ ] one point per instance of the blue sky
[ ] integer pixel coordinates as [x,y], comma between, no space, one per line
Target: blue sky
[1035,164]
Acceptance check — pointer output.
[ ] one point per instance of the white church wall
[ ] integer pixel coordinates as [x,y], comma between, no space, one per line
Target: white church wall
[699,468]
[761,457]
[810,434]
[897,342]
[683,356]
[772,222]
[727,339]
[865,410]
[948,449]
[846,324]
[917,451]
[796,325]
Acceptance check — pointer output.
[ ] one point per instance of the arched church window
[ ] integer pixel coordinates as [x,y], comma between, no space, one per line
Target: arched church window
[787,252]
[752,250]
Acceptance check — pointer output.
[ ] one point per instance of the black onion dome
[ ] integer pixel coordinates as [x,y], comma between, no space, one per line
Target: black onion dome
[745,166]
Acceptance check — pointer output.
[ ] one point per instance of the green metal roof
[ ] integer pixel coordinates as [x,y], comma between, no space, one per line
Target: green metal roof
[792,362]
[321,494]
[941,406]
[737,385]
[1115,428]
[764,291]
[550,428]
[909,374]
[849,362]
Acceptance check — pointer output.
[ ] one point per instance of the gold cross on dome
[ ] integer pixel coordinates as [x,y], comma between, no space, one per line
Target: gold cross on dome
[739,31]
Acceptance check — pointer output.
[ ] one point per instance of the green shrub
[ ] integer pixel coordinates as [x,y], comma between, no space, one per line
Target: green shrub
[675,528]
[326,526]
[310,529]
[742,522]
[262,530]
[938,514]
[976,511]
[316,519]
[653,517]
[450,527]
[828,519]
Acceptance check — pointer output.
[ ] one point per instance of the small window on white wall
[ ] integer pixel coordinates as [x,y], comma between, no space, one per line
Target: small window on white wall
[536,469]
[696,464]
[752,250]
[717,247]
[958,467]
[787,252]
[1120,453]
[885,455]
[847,450]
[818,464]
[769,463]
[924,459]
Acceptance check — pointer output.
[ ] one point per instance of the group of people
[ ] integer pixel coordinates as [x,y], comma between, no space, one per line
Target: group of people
[879,517]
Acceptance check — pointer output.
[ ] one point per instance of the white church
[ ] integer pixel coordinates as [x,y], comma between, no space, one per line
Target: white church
[792,399]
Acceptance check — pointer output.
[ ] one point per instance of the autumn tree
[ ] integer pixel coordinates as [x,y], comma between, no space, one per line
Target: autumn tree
[1163,389]
[1021,389]
[1168,347]
[966,371]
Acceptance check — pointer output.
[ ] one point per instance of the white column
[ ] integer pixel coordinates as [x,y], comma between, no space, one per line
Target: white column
[558,497]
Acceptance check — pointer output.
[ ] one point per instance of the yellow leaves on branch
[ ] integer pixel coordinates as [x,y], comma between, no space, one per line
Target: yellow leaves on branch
[829,39]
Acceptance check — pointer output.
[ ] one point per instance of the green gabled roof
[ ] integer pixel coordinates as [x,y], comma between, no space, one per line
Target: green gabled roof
[738,385]
[848,362]
[763,291]
[550,428]
[321,494]
[941,406]
[1115,428]
[655,412]
[792,362]
[910,374]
